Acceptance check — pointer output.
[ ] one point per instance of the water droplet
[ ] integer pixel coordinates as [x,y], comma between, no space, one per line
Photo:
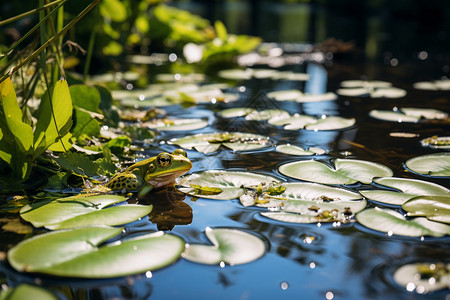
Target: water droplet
[148,274]
[390,233]
[410,287]
[284,285]
[177,76]
[129,86]
[222,264]
[141,97]
[329,295]
[172,57]
[312,265]
[422,55]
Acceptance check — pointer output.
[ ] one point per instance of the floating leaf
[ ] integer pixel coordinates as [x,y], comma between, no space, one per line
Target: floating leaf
[407,114]
[298,96]
[295,150]
[435,208]
[436,142]
[81,210]
[231,183]
[315,203]
[392,222]
[266,114]
[235,112]
[346,171]
[210,142]
[437,164]
[296,122]
[176,124]
[427,113]
[331,123]
[409,188]
[423,277]
[443,84]
[230,246]
[26,291]
[76,253]
[374,89]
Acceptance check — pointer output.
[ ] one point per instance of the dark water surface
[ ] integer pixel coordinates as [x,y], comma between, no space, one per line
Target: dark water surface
[344,262]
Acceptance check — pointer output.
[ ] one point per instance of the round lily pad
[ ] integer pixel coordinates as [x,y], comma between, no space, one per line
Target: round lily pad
[210,142]
[230,246]
[437,164]
[295,150]
[76,253]
[392,222]
[235,112]
[434,208]
[81,210]
[297,122]
[26,291]
[314,203]
[407,189]
[374,89]
[222,184]
[424,277]
[176,124]
[435,85]
[345,171]
[436,142]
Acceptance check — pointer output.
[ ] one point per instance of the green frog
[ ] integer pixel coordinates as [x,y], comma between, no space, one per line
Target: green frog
[150,173]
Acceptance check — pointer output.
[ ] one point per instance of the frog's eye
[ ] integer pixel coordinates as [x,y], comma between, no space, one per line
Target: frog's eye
[180,152]
[164,160]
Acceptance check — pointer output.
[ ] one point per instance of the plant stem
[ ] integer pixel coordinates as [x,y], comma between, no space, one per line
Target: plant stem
[87,64]
[30,12]
[51,40]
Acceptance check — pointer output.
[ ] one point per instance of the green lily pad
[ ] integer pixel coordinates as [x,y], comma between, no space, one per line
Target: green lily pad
[434,208]
[374,89]
[437,164]
[235,112]
[392,222]
[436,142]
[409,188]
[346,171]
[423,277]
[266,114]
[235,74]
[295,150]
[436,85]
[313,203]
[427,113]
[76,253]
[79,211]
[231,183]
[297,122]
[230,246]
[176,124]
[26,291]
[298,96]
[210,142]
[407,114]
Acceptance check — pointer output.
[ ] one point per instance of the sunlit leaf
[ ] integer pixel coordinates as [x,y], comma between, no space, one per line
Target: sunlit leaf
[437,164]
[345,171]
[393,116]
[76,253]
[436,142]
[392,222]
[443,84]
[176,124]
[26,291]
[295,150]
[80,210]
[435,208]
[230,246]
[424,277]
[231,183]
[266,114]
[375,89]
[235,112]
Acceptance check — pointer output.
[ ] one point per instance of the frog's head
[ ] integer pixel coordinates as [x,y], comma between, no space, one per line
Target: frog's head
[166,167]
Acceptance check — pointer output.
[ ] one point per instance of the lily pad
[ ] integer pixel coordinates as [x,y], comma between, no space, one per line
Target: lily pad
[434,208]
[210,142]
[314,203]
[436,85]
[424,277]
[79,211]
[230,246]
[392,222]
[437,164]
[176,124]
[235,112]
[436,142]
[346,171]
[297,122]
[266,114]
[374,89]
[26,291]
[76,253]
[407,114]
[298,96]
[409,188]
[295,150]
[232,184]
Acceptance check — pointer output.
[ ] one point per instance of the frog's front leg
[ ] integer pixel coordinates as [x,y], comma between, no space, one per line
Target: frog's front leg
[145,189]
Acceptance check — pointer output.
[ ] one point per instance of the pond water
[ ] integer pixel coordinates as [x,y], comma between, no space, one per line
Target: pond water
[303,261]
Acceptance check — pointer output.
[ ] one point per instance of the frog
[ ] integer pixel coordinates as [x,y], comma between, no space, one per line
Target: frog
[151,173]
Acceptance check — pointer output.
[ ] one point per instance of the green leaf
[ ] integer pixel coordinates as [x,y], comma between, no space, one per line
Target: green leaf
[419,275]
[85,124]
[55,116]
[231,183]
[221,30]
[230,246]
[437,164]
[295,150]
[346,171]
[409,188]
[176,124]
[81,210]
[76,253]
[22,132]
[114,10]
[78,163]
[26,291]
[392,222]
[86,97]
[434,208]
